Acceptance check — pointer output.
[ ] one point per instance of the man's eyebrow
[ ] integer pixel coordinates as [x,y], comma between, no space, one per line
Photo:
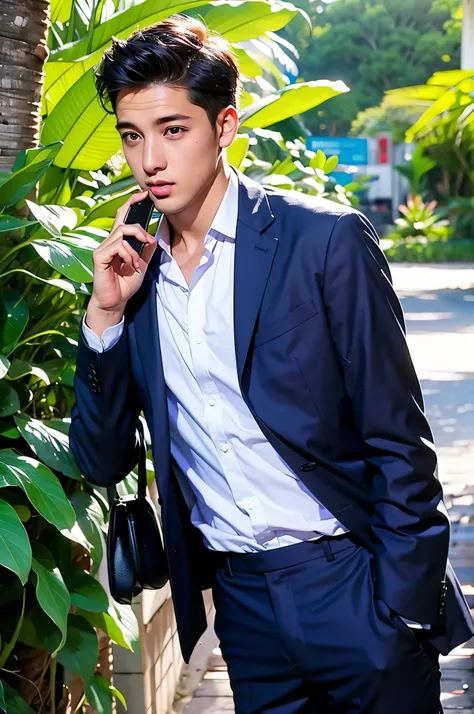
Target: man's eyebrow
[158,122]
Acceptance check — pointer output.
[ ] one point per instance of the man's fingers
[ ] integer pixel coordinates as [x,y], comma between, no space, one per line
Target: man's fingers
[148,252]
[108,248]
[133,253]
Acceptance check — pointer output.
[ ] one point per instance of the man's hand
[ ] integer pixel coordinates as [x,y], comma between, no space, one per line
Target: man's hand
[118,270]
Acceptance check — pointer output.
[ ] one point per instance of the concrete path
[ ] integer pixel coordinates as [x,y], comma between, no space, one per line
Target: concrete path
[438,302]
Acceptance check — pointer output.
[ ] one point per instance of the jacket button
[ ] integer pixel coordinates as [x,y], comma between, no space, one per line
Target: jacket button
[309,466]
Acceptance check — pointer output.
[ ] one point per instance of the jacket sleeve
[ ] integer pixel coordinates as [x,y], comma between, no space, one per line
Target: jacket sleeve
[103,433]
[409,522]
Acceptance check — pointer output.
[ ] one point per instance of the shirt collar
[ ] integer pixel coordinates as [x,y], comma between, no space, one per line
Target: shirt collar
[224,224]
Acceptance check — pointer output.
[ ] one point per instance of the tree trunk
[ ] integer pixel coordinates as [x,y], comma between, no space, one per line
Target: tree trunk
[23,52]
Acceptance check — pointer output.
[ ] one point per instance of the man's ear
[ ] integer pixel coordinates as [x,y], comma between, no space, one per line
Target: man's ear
[229,125]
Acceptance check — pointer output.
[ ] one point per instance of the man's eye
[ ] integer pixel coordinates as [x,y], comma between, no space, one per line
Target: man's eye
[180,128]
[130,133]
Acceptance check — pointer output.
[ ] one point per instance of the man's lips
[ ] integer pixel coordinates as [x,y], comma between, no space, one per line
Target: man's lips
[161,189]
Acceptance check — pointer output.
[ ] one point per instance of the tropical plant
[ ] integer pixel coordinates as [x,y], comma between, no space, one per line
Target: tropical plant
[416,168]
[420,219]
[444,130]
[52,521]
[423,250]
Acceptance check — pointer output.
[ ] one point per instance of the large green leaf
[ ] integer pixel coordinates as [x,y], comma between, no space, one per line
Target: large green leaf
[88,133]
[57,282]
[237,151]
[4,366]
[51,591]
[88,527]
[3,707]
[9,400]
[28,168]
[420,95]
[86,592]
[247,65]
[112,627]
[61,10]
[59,78]
[49,445]
[449,100]
[100,693]
[450,77]
[40,485]
[9,430]
[243,20]
[12,223]
[53,218]
[15,549]
[50,371]
[81,651]
[14,316]
[75,263]
[109,208]
[15,702]
[125,618]
[38,631]
[290,101]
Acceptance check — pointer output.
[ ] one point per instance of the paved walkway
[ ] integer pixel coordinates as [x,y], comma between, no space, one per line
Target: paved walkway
[439,308]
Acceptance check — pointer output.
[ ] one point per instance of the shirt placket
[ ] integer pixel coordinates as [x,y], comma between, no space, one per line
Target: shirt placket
[214,411]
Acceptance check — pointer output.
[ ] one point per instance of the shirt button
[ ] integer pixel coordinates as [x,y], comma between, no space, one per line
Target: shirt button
[212,402]
[251,505]
[224,448]
[198,340]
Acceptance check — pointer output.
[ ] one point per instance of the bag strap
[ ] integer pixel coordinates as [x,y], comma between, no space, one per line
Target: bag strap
[112,493]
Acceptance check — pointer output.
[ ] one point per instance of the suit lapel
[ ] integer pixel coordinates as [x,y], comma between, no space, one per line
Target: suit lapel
[254,253]
[149,351]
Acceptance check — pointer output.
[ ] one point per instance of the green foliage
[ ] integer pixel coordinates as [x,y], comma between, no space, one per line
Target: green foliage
[373,46]
[422,250]
[396,120]
[420,219]
[445,137]
[272,161]
[418,166]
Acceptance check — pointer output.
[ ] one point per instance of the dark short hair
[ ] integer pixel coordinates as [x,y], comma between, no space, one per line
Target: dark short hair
[179,51]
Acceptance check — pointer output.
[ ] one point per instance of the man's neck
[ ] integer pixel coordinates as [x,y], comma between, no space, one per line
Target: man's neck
[189,231]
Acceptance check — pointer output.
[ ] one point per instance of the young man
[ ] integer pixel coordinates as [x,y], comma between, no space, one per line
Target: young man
[261,337]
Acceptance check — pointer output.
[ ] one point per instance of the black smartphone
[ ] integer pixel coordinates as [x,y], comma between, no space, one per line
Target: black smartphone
[139,212]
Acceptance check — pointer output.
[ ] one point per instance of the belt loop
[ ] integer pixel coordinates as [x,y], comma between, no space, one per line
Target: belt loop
[229,569]
[327,550]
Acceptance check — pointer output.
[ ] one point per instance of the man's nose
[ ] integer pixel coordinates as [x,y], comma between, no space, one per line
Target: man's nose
[153,158]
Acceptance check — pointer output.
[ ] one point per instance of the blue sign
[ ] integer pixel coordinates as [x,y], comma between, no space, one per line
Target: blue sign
[351,152]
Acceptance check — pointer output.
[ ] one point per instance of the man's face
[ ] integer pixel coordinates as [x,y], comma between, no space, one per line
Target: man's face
[183,151]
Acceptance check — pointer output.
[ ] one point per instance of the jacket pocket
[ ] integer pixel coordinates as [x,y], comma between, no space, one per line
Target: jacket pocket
[288,322]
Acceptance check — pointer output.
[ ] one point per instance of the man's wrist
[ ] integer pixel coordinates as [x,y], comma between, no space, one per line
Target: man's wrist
[98,320]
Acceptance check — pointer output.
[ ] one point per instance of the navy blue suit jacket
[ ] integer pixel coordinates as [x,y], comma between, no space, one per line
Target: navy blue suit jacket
[324,366]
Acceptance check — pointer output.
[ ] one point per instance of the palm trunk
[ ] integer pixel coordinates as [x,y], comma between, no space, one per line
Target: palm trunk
[23,52]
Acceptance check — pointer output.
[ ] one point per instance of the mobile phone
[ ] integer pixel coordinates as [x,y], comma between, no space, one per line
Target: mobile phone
[139,212]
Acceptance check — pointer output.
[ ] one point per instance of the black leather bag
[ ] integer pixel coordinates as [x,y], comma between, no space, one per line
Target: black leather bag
[136,557]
